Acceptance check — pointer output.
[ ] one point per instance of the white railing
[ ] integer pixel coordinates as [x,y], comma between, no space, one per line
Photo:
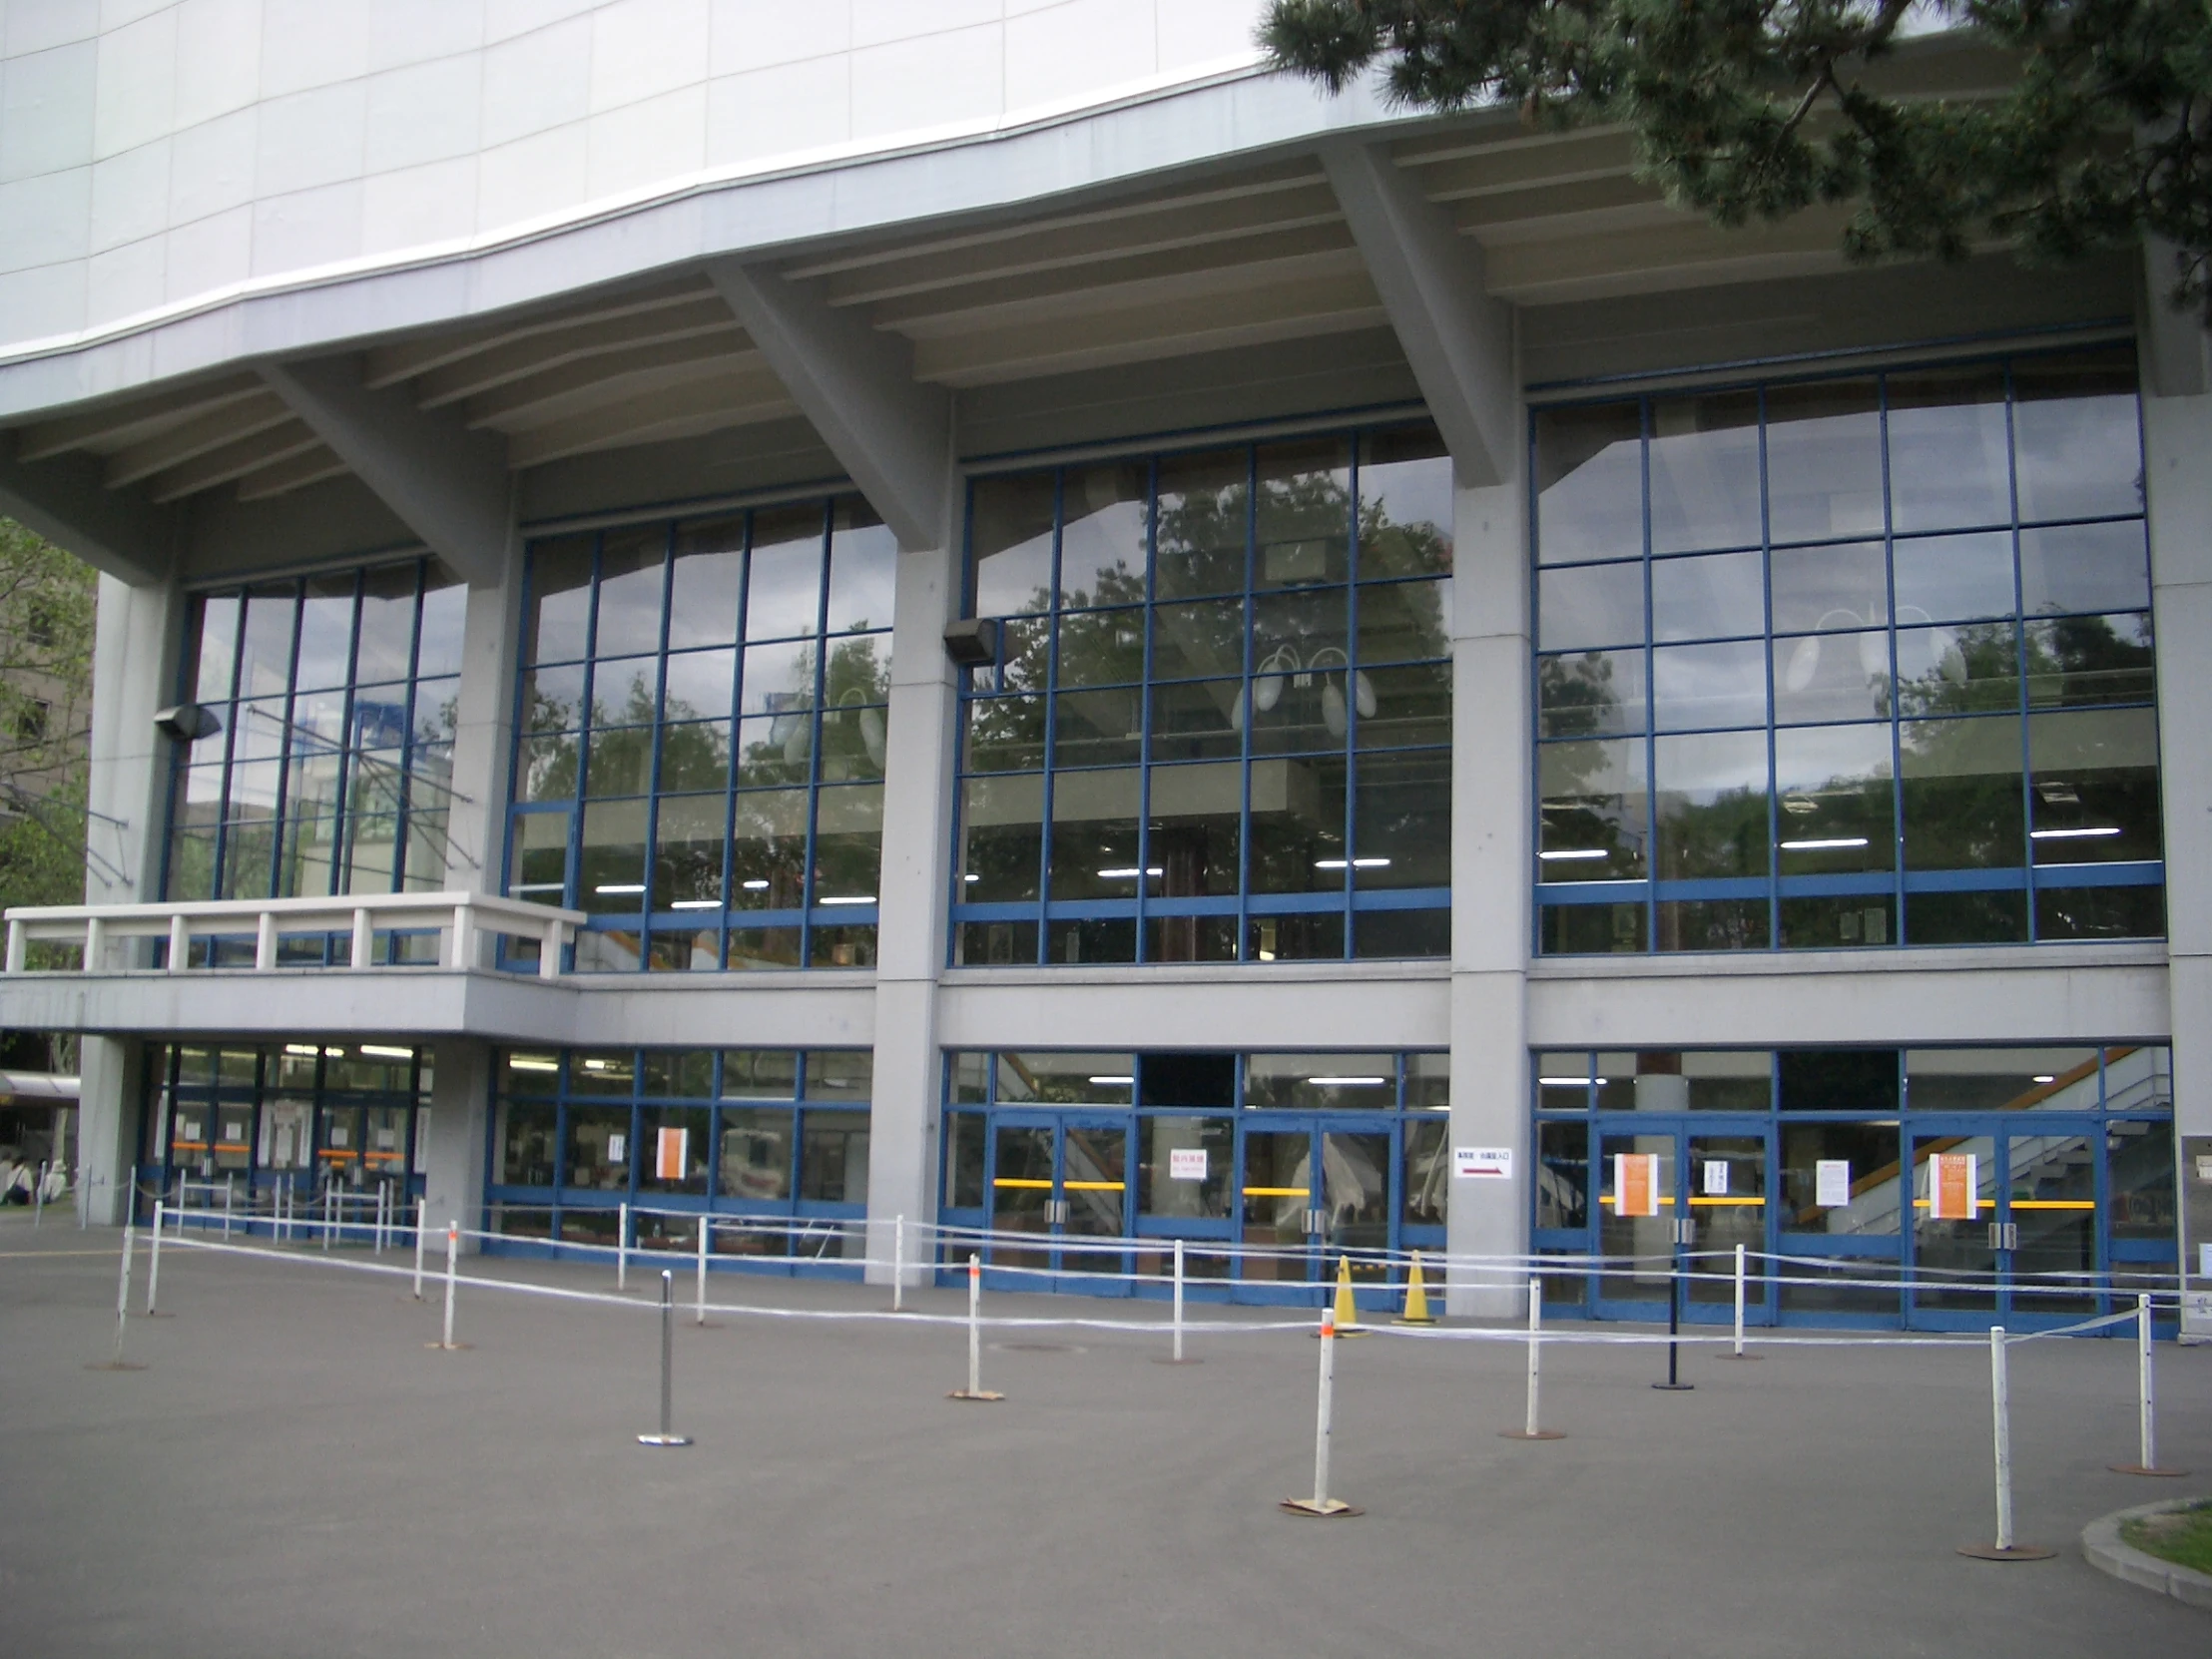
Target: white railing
[459,916]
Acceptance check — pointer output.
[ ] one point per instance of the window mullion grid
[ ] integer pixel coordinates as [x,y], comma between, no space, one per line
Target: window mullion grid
[1244,948]
[222,853]
[730,781]
[1141,952]
[1889,639]
[653,775]
[1773,711]
[520,730]
[1651,691]
[278,818]
[1352,685]
[1051,706]
[2020,659]
[341,790]
[403,796]
[807,893]
[587,740]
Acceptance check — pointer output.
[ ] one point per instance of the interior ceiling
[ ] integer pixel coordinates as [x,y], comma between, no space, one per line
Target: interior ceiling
[1232,259]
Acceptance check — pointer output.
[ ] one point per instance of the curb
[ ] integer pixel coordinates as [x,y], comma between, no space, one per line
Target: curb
[2100,1543]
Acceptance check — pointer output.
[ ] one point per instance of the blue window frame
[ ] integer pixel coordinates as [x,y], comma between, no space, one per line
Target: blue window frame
[1847,662]
[1818,1162]
[701,731]
[775,1140]
[1218,724]
[299,1116]
[330,768]
[1081,1169]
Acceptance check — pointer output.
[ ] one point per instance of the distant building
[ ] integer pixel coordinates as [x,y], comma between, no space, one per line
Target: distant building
[1082,645]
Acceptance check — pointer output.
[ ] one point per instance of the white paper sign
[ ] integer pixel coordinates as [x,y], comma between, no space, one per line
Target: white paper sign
[617,1147]
[1187,1163]
[383,1140]
[1482,1162]
[2204,1169]
[337,1134]
[1716,1178]
[1832,1183]
[2204,1261]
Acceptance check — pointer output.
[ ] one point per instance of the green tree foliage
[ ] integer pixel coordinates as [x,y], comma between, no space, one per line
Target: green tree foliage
[46,622]
[1754,111]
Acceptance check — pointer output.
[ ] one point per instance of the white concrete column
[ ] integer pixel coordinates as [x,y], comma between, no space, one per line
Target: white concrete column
[911,939]
[109,1070]
[1490,884]
[2177,435]
[483,731]
[453,1157]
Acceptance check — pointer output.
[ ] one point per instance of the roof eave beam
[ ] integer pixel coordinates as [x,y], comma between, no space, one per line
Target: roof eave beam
[66,500]
[444,482]
[891,433]
[1455,335]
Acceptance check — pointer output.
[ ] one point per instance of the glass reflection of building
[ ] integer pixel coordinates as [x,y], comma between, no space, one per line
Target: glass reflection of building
[1847,662]
[331,764]
[1217,728]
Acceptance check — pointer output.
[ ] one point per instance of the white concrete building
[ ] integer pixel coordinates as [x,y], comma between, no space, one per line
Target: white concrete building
[977,614]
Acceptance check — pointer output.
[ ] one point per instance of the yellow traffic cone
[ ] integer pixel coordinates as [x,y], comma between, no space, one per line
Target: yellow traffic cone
[1347,1311]
[1416,1297]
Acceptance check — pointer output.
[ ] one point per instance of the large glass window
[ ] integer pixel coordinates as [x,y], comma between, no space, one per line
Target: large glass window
[298,1117]
[1216,729]
[330,766]
[1847,662]
[701,737]
[769,1133]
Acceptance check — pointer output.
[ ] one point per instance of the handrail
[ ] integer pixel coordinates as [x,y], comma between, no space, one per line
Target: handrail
[459,916]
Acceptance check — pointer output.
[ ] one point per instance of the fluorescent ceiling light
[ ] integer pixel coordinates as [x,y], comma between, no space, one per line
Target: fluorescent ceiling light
[1129,874]
[537,887]
[1349,1082]
[1122,1080]
[849,899]
[1567,1082]
[1355,864]
[383,1053]
[2086,834]
[309,1049]
[755,885]
[695,905]
[334,1053]
[971,879]
[620,888]
[1565,852]
[1823,844]
[2046,1077]
[531,1062]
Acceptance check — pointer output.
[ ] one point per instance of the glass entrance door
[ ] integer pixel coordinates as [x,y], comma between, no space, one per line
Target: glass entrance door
[1713,1173]
[1297,1226]
[2004,1225]
[1064,1181]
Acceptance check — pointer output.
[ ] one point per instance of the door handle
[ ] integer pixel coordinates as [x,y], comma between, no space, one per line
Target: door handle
[2005,1235]
[1313,1224]
[1056,1212]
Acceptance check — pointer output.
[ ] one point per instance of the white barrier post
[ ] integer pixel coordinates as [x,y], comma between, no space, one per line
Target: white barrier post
[898,1264]
[974,1389]
[123,1299]
[705,1227]
[622,1248]
[668,1435]
[2147,1401]
[2001,1413]
[1178,1301]
[230,1183]
[1532,1429]
[452,1267]
[330,1208]
[1739,1302]
[38,1195]
[154,1262]
[1320,1503]
[384,1201]
[419,1229]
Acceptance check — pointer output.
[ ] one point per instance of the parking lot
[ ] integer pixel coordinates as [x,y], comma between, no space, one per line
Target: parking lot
[294,1471]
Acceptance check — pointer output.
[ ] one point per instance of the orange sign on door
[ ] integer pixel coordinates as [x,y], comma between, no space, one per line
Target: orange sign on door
[1952,1192]
[1635,1183]
[670,1154]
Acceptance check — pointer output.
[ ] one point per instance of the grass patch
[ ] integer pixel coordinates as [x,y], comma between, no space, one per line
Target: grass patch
[2182,1536]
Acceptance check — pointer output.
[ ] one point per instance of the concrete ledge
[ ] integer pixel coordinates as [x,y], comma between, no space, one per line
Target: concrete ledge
[2100,1542]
